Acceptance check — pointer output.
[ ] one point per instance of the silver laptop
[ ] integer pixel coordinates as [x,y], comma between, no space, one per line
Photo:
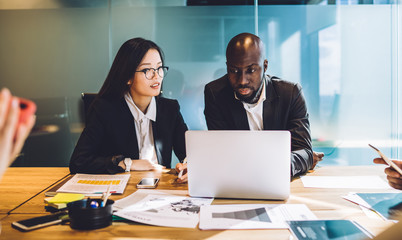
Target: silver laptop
[239,164]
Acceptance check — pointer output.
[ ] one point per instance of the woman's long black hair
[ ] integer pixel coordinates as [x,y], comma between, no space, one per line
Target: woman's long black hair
[124,66]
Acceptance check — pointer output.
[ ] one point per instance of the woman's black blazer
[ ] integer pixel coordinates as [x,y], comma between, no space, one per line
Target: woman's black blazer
[110,131]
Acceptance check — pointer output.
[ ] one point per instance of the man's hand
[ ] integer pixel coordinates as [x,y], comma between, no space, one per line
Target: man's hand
[394,178]
[317,157]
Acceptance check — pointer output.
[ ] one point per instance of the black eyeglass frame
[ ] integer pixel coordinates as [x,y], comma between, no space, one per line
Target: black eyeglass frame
[146,70]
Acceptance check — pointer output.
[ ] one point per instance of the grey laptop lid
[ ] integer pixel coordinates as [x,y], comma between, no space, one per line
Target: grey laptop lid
[238,164]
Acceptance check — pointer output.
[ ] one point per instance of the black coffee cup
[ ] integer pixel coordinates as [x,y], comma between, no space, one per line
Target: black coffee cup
[89,214]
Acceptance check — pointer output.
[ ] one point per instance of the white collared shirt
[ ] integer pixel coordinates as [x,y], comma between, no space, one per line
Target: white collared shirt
[254,111]
[143,128]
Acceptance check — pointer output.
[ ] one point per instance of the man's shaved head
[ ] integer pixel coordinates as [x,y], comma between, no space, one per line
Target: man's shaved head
[244,42]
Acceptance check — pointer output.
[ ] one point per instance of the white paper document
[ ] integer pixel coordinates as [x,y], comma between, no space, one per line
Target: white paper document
[91,183]
[165,210]
[252,216]
[353,197]
[364,206]
[386,205]
[143,193]
[361,182]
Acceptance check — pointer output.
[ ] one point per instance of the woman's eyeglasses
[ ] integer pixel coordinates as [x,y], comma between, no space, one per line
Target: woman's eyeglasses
[150,72]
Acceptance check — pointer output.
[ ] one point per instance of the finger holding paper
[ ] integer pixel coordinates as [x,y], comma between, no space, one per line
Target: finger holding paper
[181,169]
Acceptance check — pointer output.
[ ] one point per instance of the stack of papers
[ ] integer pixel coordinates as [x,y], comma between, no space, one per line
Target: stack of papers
[164,210]
[95,184]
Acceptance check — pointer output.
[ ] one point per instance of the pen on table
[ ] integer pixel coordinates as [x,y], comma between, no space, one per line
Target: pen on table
[105,197]
[181,172]
[386,159]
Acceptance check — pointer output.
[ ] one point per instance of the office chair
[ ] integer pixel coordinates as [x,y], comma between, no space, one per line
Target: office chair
[87,98]
[49,143]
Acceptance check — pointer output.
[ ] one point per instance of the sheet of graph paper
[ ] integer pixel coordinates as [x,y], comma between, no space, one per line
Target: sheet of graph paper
[252,216]
[96,183]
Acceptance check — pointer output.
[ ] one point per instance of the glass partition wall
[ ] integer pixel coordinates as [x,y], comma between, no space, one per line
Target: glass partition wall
[346,54]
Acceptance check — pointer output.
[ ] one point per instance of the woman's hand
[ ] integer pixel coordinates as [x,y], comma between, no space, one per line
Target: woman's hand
[181,168]
[144,165]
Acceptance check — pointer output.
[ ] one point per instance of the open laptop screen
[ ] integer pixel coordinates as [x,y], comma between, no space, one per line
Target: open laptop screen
[239,164]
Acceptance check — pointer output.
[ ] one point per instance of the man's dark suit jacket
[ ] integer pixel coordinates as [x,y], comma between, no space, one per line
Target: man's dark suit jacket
[110,131]
[283,109]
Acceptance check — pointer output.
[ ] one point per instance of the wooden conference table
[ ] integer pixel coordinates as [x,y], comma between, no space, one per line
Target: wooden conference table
[19,184]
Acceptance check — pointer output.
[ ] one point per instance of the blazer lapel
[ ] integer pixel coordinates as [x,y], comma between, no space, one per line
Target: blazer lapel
[269,105]
[157,139]
[157,142]
[132,143]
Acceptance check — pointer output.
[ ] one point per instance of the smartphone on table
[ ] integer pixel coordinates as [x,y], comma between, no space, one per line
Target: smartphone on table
[148,183]
[42,221]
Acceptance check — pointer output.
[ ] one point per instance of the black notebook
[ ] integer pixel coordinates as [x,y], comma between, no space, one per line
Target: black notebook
[328,230]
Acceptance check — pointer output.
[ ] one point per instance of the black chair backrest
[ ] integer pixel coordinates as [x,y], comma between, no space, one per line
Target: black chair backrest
[50,142]
[88,98]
